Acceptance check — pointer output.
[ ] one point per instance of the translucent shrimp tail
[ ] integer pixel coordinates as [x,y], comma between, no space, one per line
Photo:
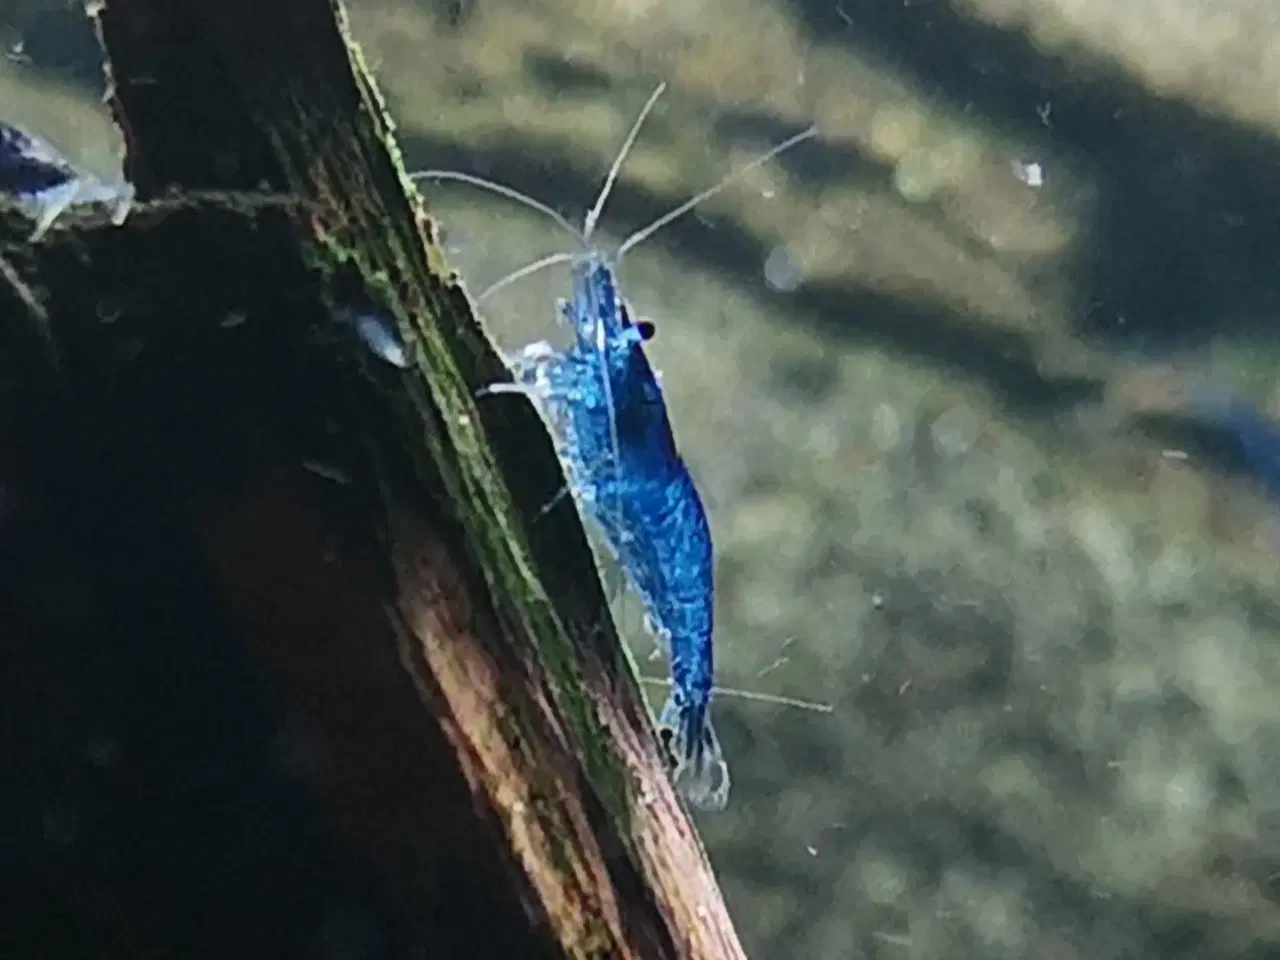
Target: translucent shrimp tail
[700,772]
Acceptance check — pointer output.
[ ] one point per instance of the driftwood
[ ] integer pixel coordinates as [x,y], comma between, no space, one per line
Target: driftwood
[201,467]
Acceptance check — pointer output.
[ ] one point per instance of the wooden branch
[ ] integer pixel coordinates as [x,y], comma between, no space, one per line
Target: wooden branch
[483,740]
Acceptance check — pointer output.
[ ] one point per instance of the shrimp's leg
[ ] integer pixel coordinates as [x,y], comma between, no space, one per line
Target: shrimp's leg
[660,636]
[536,394]
[614,580]
[121,202]
[534,369]
[494,389]
[48,205]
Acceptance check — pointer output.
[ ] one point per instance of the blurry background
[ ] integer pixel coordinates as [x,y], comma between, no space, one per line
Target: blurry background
[936,374]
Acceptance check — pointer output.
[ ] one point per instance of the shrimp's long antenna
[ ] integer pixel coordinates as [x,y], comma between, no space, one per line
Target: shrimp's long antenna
[511,193]
[584,235]
[646,232]
[593,217]
[756,696]
[524,271]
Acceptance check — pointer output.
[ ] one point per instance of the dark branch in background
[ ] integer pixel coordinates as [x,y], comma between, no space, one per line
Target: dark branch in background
[223,513]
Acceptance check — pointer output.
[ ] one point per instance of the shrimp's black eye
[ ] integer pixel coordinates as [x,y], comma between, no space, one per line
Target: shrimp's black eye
[646,329]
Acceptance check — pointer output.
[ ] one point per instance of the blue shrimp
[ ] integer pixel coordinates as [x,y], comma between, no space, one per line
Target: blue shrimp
[619,450]
[44,185]
[609,419]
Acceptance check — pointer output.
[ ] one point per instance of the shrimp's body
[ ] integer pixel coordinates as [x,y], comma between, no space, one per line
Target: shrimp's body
[613,435]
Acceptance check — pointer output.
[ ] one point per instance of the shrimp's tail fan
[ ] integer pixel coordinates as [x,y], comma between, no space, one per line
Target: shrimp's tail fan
[700,771]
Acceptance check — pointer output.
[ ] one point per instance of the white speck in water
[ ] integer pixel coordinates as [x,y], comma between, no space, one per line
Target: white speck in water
[1029,172]
[17,52]
[781,272]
